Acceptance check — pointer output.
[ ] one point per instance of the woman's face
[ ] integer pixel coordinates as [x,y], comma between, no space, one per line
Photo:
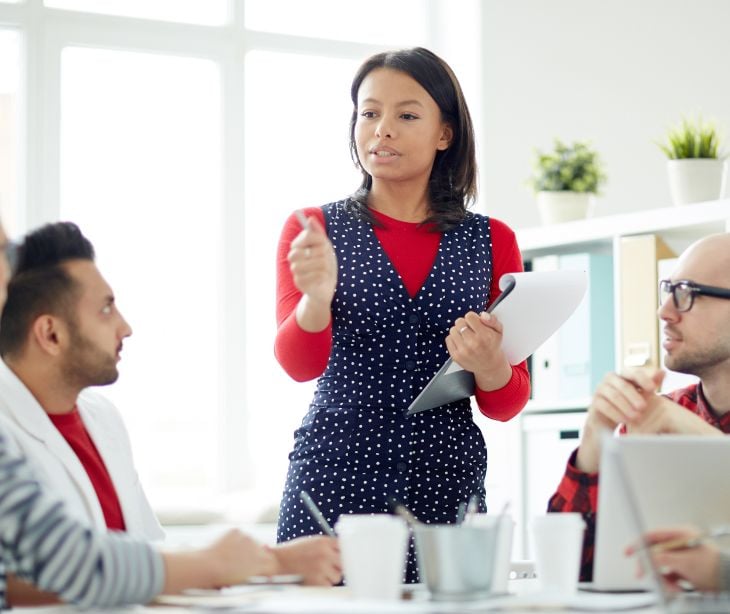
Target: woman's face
[398,128]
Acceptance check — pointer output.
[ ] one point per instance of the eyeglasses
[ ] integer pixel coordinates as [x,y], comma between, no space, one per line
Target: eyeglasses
[684,291]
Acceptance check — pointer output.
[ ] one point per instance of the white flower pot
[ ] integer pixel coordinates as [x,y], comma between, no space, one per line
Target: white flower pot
[557,207]
[695,180]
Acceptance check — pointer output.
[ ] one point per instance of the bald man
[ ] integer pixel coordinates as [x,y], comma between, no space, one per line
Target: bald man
[695,313]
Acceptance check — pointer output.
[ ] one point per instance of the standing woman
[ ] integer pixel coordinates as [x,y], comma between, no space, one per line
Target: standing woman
[374,294]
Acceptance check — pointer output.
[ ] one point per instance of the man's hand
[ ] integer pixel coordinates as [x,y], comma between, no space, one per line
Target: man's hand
[619,399]
[699,565]
[662,415]
[231,559]
[317,559]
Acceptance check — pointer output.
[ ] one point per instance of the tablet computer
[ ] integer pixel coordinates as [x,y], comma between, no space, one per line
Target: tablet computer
[451,382]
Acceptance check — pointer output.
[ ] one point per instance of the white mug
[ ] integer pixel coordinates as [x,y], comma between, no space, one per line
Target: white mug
[373,548]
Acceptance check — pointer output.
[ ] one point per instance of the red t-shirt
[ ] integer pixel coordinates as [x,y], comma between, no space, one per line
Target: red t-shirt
[72,429]
[304,355]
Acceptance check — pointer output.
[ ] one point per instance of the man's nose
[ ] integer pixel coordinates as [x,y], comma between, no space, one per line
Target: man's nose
[125,330]
[667,311]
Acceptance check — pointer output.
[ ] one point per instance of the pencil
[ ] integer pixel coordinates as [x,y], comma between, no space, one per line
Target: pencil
[316,514]
[682,543]
[301,217]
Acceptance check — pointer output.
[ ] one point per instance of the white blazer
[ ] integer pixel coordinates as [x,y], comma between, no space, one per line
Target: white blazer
[58,467]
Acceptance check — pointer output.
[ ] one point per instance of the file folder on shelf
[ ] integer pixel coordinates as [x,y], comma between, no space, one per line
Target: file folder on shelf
[639,299]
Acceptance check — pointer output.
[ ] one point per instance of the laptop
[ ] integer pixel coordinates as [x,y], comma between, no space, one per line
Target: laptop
[619,457]
[670,474]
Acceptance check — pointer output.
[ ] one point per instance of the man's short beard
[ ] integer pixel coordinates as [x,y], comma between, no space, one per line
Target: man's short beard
[698,363]
[85,364]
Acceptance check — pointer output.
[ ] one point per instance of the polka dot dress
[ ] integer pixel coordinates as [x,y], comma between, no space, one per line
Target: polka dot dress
[357,448]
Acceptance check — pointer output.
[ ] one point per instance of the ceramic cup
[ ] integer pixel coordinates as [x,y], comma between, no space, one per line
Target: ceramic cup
[373,548]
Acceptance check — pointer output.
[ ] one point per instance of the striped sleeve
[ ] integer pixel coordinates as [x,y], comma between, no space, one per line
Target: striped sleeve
[58,554]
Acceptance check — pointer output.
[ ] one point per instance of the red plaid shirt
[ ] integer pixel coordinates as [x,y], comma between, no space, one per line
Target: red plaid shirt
[578,491]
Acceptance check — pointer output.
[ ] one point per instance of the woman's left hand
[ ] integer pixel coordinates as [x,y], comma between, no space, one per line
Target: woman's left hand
[475,343]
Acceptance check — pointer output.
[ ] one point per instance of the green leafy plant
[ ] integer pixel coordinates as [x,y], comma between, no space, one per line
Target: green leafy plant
[692,139]
[574,168]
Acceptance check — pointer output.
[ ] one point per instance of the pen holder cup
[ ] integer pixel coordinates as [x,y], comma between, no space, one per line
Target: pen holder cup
[456,562]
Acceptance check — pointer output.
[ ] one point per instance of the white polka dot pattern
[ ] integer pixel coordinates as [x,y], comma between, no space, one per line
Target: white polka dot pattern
[356,447]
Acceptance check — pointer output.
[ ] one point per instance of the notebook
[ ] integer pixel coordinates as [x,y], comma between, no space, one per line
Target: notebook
[531,307]
[620,457]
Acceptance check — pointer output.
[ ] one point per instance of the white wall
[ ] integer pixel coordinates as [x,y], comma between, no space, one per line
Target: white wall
[615,72]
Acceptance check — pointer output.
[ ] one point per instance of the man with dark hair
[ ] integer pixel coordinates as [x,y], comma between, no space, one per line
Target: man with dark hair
[61,333]
[38,537]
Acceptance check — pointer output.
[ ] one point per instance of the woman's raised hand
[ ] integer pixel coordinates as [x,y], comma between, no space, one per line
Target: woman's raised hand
[313,266]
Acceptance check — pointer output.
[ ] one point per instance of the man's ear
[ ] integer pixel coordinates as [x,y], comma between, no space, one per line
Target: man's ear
[447,135]
[49,333]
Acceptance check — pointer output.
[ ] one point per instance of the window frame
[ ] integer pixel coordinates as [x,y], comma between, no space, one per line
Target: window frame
[45,32]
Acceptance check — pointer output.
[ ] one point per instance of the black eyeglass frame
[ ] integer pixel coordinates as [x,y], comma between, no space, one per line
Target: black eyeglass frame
[666,286]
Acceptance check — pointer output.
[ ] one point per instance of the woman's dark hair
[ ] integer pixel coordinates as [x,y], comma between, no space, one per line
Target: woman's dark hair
[452,185]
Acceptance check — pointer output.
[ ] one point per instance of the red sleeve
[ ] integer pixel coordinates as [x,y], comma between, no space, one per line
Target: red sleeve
[578,492]
[302,354]
[506,402]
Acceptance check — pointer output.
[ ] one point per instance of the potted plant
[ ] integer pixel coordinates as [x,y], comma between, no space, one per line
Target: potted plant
[696,167]
[565,181]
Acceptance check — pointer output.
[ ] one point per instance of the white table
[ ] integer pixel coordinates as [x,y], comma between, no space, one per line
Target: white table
[287,600]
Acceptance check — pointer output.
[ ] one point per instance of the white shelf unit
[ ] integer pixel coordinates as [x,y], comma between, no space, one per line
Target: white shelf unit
[674,224]
[510,462]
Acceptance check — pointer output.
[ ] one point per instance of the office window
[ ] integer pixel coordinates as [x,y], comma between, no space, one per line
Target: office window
[204,12]
[296,155]
[379,21]
[9,129]
[141,173]
[180,151]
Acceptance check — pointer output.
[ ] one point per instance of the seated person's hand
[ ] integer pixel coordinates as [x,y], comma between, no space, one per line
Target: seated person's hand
[662,415]
[699,565]
[231,559]
[622,399]
[619,399]
[317,559]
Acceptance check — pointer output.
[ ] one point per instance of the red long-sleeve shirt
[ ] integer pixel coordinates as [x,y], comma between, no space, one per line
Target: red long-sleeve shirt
[72,429]
[304,355]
